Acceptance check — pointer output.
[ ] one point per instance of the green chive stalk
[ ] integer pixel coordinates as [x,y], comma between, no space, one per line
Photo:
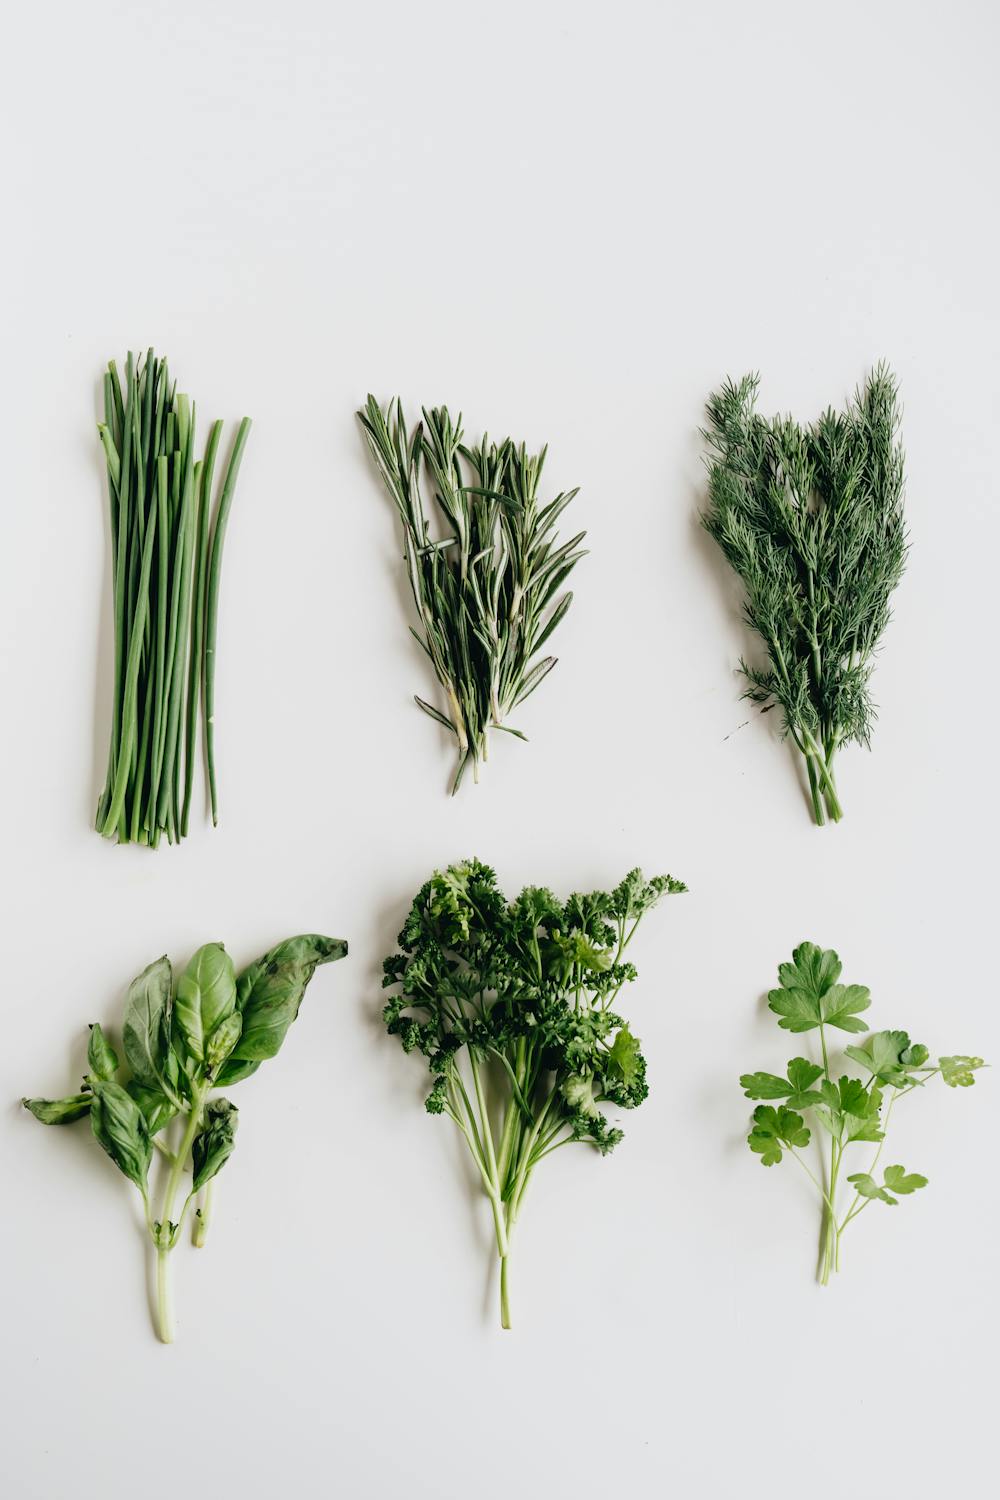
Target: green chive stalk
[166,563]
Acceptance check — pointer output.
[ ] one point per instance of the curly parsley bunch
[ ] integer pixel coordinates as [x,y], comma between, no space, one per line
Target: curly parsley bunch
[513,1004]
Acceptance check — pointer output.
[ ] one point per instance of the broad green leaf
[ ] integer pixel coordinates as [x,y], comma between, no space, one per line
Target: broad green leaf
[624,1056]
[120,1127]
[223,1040]
[957,1071]
[156,1107]
[802,1074]
[60,1111]
[914,1056]
[206,995]
[881,1054]
[869,1188]
[862,1129]
[810,996]
[102,1058]
[269,993]
[854,1098]
[842,1003]
[764,1086]
[812,968]
[898,1180]
[831,1120]
[233,1070]
[146,1031]
[773,1128]
[214,1143]
[795,1088]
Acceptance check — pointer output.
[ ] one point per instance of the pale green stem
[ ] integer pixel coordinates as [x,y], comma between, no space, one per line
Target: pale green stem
[203,1216]
[165,1236]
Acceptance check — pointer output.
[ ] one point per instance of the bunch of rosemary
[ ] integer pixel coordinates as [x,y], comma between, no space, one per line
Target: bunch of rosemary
[812,521]
[484,592]
[166,566]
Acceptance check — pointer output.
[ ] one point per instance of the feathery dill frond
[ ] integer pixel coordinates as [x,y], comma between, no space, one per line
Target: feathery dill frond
[811,518]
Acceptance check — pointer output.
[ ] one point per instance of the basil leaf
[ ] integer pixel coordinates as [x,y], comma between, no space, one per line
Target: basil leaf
[156,1107]
[102,1058]
[214,1143]
[60,1111]
[223,1040]
[145,1032]
[234,1070]
[206,995]
[120,1127]
[269,993]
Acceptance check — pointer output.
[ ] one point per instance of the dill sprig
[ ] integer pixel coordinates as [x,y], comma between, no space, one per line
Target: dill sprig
[484,592]
[811,518]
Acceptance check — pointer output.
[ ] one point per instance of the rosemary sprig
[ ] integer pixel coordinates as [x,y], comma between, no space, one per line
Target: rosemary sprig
[812,521]
[484,591]
[166,560]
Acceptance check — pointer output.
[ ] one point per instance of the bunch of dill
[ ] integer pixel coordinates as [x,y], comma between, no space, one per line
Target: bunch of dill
[811,518]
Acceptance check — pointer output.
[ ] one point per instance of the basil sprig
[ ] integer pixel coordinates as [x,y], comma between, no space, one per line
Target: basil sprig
[180,1043]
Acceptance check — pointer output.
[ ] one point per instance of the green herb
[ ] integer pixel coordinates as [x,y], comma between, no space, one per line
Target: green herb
[812,521]
[180,1043]
[849,1111]
[514,1008]
[486,592]
[166,565]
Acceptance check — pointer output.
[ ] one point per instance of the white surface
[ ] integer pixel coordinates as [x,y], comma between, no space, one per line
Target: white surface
[571,221]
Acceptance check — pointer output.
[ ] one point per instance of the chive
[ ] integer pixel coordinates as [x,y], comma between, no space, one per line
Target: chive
[163,552]
[203,492]
[212,604]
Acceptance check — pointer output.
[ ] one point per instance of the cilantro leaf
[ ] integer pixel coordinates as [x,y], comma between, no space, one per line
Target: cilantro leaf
[765,1086]
[957,1071]
[795,1087]
[810,996]
[894,1180]
[869,1188]
[882,1055]
[898,1180]
[854,1098]
[774,1128]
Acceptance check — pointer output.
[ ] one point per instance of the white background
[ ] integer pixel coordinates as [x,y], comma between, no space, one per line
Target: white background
[571,221]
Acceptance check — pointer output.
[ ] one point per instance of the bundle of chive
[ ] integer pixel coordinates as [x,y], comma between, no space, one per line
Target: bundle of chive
[167,561]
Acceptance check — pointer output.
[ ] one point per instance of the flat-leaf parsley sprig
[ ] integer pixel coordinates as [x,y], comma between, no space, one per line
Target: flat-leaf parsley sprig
[514,1006]
[849,1111]
[181,1042]
[811,518]
[487,590]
